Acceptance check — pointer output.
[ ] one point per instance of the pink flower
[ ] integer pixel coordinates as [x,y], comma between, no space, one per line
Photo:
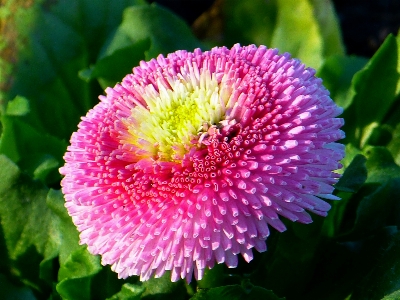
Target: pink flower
[188,161]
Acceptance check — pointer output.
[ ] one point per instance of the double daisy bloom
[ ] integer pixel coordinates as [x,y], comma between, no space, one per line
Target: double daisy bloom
[191,158]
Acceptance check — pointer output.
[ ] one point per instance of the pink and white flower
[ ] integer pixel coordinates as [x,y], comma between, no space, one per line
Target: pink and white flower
[193,156]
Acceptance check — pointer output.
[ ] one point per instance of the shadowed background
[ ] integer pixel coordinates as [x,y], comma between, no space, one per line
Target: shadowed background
[365,23]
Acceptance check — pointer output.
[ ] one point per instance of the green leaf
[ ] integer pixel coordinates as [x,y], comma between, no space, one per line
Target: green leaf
[129,292]
[35,152]
[351,181]
[256,292]
[76,274]
[380,135]
[106,283]
[337,73]
[296,250]
[344,264]
[336,219]
[27,222]
[393,296]
[384,279]
[297,32]
[44,97]
[165,30]
[375,203]
[47,168]
[36,226]
[78,268]
[307,29]
[212,277]
[236,292]
[376,92]
[378,205]
[82,277]
[112,68]
[56,95]
[66,235]
[354,176]
[329,29]
[63,237]
[249,22]
[380,164]
[19,106]
[163,288]
[351,152]
[332,226]
[394,145]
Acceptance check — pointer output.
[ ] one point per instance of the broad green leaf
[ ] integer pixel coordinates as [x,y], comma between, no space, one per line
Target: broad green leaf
[380,135]
[333,224]
[376,90]
[351,181]
[111,68]
[296,251]
[343,265]
[67,235]
[307,29]
[256,292]
[19,106]
[64,237]
[145,32]
[394,145]
[106,283]
[165,30]
[328,24]
[78,268]
[129,292]
[378,205]
[297,32]
[249,22]
[27,223]
[56,95]
[337,72]
[380,164]
[36,226]
[82,277]
[76,274]
[393,296]
[55,40]
[351,152]
[35,152]
[384,279]
[354,176]
[212,277]
[4,262]
[246,291]
[163,288]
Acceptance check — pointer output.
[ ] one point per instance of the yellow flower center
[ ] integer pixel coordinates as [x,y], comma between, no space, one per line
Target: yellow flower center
[174,117]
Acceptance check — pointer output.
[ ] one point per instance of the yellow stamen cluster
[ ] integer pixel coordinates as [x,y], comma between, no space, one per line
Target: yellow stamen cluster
[174,116]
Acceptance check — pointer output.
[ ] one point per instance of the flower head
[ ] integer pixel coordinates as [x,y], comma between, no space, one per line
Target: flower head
[192,157]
